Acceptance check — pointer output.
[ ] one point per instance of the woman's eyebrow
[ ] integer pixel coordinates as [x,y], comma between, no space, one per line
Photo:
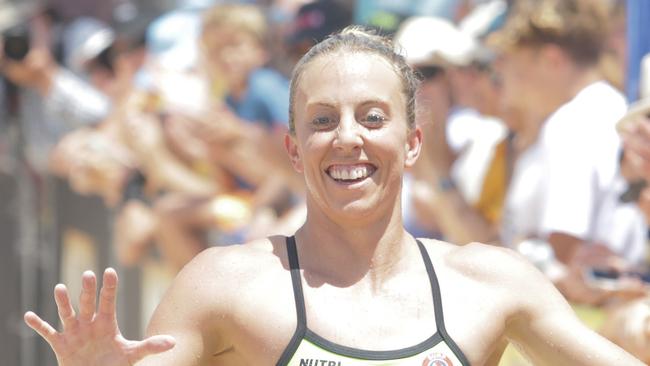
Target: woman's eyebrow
[374,101]
[320,103]
[332,104]
[378,102]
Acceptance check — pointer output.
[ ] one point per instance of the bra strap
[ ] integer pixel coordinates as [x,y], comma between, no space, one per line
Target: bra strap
[437,305]
[301,317]
[296,281]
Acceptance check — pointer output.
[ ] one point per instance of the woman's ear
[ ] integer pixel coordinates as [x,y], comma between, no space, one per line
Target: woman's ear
[413,146]
[292,150]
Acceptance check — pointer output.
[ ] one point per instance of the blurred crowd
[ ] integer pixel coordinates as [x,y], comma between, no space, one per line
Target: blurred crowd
[177,120]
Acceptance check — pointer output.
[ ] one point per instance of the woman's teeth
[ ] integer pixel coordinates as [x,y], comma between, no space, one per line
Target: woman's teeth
[346,173]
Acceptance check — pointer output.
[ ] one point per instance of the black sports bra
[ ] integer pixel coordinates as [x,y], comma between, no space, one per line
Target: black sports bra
[307,348]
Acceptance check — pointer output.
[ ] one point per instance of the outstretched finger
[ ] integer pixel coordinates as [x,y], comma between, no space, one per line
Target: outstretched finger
[151,346]
[64,307]
[108,293]
[41,327]
[88,296]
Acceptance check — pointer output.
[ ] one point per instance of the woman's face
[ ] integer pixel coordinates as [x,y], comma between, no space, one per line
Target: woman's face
[352,140]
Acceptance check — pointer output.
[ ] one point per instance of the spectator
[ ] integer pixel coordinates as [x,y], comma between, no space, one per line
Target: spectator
[234,39]
[551,94]
[55,101]
[613,61]
[458,88]
[313,22]
[248,126]
[73,100]
[636,157]
[565,183]
[434,102]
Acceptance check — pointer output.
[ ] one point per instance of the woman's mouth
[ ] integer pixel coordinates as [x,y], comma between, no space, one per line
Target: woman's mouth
[350,173]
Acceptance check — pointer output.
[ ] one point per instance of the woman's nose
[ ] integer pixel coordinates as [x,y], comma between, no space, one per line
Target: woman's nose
[348,134]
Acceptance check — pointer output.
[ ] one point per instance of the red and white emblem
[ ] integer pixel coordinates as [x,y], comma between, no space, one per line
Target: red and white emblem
[437,359]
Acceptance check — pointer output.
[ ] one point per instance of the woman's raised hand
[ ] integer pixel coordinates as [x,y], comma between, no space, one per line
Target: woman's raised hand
[93,337]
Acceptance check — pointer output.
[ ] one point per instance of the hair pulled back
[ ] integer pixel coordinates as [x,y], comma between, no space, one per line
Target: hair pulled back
[357,39]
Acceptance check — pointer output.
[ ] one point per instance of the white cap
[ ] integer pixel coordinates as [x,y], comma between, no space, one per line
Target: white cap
[426,40]
[642,106]
[13,12]
[84,39]
[172,39]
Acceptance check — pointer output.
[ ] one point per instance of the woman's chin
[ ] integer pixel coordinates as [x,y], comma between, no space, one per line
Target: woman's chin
[360,210]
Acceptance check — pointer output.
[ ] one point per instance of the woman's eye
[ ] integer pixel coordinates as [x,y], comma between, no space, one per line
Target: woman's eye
[374,118]
[322,121]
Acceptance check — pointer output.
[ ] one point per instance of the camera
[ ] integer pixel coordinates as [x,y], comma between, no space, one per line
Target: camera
[16,42]
[15,18]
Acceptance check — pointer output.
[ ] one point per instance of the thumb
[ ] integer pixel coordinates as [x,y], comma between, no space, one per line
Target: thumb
[151,346]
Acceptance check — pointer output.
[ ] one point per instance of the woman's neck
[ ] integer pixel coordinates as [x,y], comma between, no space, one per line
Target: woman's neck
[343,253]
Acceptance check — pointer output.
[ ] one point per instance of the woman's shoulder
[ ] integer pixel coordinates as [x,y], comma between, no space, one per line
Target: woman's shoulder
[234,269]
[224,283]
[489,264]
[511,283]
[261,256]
[470,250]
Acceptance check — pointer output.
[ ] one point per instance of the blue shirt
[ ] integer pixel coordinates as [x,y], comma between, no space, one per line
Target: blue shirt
[266,99]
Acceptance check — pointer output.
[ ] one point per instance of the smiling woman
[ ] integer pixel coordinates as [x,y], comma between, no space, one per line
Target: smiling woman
[355,40]
[351,287]
[351,134]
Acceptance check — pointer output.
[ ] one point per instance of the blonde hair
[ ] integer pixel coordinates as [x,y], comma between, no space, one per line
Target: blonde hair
[244,17]
[579,27]
[361,40]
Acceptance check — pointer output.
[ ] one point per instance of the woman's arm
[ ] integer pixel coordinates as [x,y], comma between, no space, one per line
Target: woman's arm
[546,329]
[183,330]
[193,311]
